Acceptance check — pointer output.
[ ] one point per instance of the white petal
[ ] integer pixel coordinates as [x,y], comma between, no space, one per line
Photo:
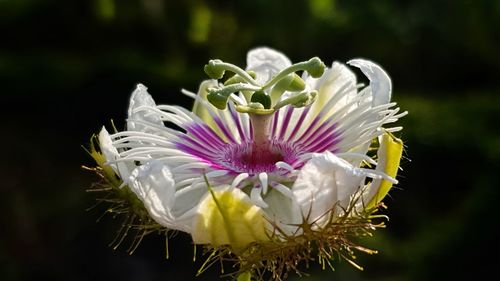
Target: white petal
[153,184]
[283,211]
[188,198]
[283,189]
[323,182]
[111,153]
[141,97]
[336,89]
[266,63]
[106,146]
[329,85]
[380,82]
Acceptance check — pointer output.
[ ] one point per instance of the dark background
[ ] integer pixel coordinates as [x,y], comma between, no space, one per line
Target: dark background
[68,67]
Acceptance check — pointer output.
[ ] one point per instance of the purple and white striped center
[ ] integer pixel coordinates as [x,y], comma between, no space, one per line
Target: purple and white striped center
[239,154]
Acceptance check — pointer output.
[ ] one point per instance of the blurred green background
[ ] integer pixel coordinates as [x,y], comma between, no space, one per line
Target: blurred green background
[68,67]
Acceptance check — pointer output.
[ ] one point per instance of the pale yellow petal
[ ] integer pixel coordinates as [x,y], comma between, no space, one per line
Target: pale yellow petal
[226,216]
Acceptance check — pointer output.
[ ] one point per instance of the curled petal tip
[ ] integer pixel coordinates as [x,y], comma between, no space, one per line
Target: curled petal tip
[140,87]
[380,82]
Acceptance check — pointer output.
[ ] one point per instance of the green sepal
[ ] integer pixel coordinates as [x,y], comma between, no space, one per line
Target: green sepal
[113,181]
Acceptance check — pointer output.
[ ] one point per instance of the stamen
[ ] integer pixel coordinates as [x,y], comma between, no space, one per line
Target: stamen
[238,79]
[291,82]
[215,69]
[298,100]
[237,100]
[218,97]
[261,100]
[315,67]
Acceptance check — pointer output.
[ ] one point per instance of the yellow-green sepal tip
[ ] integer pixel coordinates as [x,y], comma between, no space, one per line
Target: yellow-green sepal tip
[389,157]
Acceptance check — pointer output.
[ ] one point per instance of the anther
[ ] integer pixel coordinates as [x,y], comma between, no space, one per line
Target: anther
[298,100]
[315,67]
[291,82]
[215,69]
[218,97]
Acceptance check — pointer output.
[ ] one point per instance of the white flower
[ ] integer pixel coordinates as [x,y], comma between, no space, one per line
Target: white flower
[276,149]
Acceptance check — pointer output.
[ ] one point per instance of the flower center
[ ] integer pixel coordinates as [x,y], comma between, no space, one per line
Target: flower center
[252,159]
